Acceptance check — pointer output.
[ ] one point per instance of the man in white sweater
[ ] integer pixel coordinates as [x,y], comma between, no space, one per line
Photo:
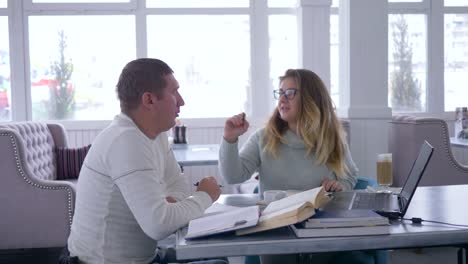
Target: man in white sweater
[130,191]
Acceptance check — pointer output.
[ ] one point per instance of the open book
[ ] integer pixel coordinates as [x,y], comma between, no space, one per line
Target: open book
[290,210]
[219,220]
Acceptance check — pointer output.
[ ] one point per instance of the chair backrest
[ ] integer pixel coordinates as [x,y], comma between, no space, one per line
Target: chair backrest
[405,137]
[39,141]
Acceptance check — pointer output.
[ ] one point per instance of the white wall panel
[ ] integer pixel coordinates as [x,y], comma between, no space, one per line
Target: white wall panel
[368,138]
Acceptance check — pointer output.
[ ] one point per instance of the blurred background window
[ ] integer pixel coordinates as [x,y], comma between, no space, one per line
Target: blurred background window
[75,62]
[196,3]
[456,60]
[283,46]
[210,56]
[282,3]
[5,90]
[407,62]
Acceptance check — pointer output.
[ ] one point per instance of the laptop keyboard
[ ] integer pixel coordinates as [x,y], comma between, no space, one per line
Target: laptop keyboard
[368,200]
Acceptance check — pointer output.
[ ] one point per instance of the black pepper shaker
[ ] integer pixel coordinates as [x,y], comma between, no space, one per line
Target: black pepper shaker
[183,130]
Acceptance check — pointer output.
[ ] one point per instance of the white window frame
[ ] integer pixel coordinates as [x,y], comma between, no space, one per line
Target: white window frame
[434,11]
[18,12]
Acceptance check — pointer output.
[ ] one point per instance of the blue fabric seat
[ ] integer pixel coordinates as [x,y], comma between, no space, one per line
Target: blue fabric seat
[361,257]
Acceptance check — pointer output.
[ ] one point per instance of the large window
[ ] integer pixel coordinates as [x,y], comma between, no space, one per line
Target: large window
[282,3]
[417,82]
[455,3]
[5,91]
[407,68]
[79,1]
[226,54]
[334,52]
[283,45]
[210,56]
[456,61]
[197,3]
[75,66]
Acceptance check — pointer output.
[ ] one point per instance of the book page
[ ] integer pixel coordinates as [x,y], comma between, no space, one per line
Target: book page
[225,221]
[292,210]
[298,198]
[219,208]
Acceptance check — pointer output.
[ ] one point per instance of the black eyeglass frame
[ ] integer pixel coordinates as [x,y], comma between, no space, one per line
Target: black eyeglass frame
[289,93]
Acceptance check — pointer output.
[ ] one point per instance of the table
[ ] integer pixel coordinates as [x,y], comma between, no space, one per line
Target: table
[196,155]
[438,203]
[459,142]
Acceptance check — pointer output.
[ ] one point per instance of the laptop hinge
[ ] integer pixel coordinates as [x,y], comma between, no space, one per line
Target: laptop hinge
[401,202]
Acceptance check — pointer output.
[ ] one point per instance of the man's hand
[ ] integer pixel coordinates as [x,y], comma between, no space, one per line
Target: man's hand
[234,127]
[210,186]
[332,186]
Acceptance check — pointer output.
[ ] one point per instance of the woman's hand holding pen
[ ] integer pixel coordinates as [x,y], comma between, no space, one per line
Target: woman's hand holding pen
[234,127]
[210,186]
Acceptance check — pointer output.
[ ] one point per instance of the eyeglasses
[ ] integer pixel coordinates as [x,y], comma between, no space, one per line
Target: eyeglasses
[288,93]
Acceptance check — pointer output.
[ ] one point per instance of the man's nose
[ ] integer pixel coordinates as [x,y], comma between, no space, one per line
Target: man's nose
[181,101]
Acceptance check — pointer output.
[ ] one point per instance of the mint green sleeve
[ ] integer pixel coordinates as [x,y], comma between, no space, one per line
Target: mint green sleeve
[348,181]
[238,166]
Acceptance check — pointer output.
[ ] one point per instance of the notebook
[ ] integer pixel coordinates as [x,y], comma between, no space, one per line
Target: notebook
[387,204]
[224,221]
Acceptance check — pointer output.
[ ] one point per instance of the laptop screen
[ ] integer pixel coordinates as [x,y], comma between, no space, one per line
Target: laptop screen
[415,175]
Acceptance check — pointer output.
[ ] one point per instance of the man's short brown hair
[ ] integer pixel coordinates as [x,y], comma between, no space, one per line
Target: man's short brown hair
[140,76]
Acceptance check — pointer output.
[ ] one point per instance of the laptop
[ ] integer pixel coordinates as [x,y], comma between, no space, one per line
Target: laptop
[387,204]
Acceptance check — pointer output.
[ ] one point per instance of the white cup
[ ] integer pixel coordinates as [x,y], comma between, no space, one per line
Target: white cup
[273,195]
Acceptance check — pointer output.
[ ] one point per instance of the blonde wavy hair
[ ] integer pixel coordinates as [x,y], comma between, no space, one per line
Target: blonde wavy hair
[318,124]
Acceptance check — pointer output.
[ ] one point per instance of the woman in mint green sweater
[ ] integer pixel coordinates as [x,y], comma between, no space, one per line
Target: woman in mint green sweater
[302,146]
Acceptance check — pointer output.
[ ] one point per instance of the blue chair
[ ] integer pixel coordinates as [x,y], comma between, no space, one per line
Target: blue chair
[378,256]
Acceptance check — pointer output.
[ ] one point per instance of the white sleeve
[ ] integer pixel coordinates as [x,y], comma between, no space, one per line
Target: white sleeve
[178,186]
[139,172]
[156,217]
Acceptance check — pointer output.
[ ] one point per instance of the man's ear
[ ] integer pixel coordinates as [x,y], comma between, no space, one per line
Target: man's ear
[148,99]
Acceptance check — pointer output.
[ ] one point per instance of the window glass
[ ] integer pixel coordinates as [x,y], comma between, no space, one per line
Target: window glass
[210,56]
[456,61]
[75,65]
[407,66]
[81,1]
[197,3]
[282,3]
[283,46]
[335,3]
[455,3]
[5,91]
[334,59]
[402,1]
[3,3]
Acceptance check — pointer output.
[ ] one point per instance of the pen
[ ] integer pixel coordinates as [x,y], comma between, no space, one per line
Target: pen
[240,222]
[197,183]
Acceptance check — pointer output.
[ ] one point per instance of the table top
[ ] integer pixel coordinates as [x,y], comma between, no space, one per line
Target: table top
[459,142]
[196,155]
[437,203]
